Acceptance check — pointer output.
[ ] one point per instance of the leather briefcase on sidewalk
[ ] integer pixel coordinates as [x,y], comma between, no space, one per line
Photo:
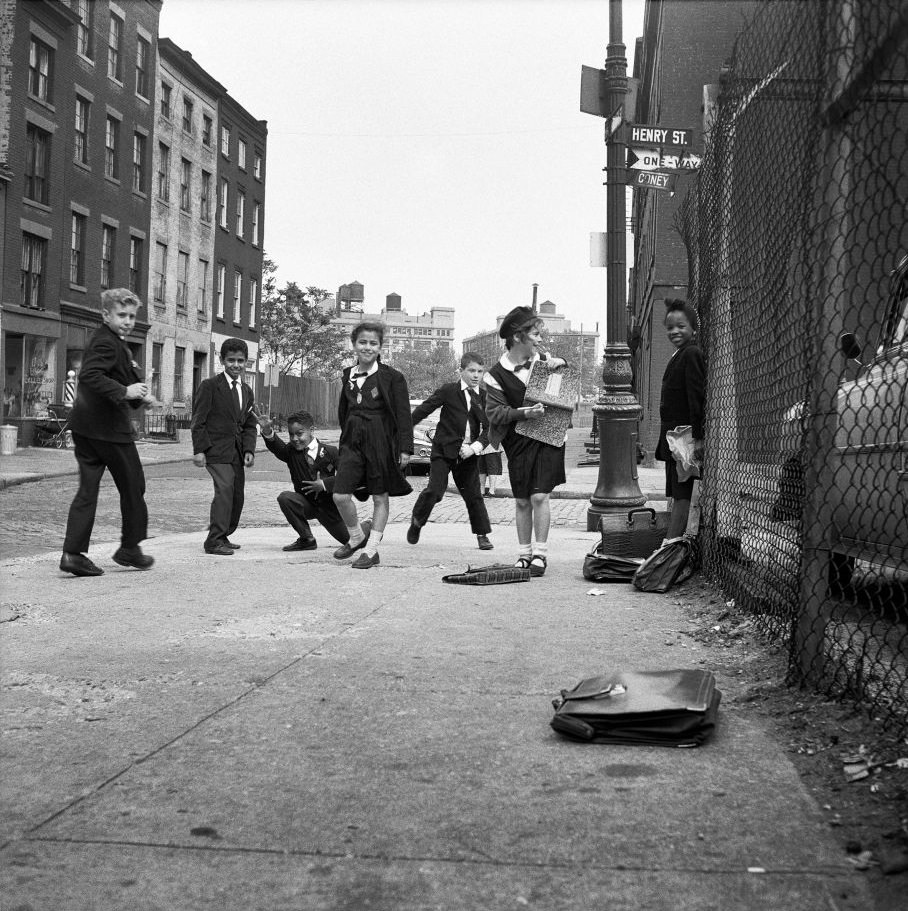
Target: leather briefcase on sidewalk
[663,708]
[635,534]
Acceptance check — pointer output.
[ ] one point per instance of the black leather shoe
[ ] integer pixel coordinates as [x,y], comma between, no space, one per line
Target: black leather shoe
[231,545]
[302,544]
[364,561]
[347,550]
[219,550]
[484,543]
[133,556]
[79,565]
[413,533]
[538,564]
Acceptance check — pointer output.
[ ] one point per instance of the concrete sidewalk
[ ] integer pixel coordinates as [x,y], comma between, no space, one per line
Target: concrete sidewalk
[38,464]
[282,732]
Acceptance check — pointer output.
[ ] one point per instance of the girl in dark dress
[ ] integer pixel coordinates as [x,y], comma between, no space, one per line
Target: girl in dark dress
[376,442]
[535,468]
[682,402]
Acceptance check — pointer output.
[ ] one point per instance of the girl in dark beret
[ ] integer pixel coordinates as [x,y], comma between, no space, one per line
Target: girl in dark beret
[535,468]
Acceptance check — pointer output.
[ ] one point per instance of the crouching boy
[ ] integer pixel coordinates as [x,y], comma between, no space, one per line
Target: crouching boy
[312,465]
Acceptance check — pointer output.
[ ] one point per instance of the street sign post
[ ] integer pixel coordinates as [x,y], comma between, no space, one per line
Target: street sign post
[652,136]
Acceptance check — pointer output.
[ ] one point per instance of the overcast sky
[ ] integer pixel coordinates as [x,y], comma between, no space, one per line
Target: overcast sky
[433,148]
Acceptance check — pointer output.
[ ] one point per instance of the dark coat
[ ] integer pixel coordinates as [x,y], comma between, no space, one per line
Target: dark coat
[102,411]
[325,466]
[452,421]
[393,389]
[217,429]
[683,394]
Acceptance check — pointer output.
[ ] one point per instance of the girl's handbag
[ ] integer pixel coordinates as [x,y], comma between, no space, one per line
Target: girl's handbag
[671,564]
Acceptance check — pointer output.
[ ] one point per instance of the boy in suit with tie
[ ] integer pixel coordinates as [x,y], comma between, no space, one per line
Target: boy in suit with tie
[312,465]
[460,437]
[223,441]
[110,388]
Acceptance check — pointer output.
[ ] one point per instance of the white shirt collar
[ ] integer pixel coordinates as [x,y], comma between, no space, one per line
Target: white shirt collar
[312,449]
[369,372]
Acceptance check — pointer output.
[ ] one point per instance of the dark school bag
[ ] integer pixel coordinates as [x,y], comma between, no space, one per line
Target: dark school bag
[495,574]
[603,567]
[677,707]
[671,564]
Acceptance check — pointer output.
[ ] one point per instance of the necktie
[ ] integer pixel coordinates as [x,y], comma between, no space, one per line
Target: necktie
[524,366]
[474,395]
[310,461]
[238,395]
[356,376]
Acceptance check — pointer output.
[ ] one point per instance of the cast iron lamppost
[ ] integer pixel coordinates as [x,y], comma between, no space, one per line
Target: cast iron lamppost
[617,411]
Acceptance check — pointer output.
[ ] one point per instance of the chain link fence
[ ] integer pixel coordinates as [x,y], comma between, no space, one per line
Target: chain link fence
[796,234]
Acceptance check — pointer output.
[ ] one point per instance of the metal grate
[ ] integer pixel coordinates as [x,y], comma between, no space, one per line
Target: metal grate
[796,237]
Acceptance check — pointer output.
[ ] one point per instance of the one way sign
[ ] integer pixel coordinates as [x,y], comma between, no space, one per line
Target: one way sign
[656,160]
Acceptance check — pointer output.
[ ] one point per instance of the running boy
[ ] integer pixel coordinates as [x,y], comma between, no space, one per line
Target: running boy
[376,441]
[460,437]
[223,441]
[110,387]
[312,465]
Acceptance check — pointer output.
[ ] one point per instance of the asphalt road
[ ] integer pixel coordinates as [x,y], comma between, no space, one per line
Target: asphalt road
[179,496]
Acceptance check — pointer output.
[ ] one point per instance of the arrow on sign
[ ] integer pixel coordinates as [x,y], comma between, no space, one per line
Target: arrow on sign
[643,159]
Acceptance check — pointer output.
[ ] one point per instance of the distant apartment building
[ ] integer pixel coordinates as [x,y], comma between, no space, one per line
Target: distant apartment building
[403,331]
[77,213]
[577,346]
[181,183]
[239,232]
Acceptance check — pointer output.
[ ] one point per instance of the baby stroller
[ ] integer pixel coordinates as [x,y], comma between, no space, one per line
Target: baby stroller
[53,431]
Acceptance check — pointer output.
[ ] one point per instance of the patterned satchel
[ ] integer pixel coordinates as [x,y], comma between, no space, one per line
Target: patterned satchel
[496,574]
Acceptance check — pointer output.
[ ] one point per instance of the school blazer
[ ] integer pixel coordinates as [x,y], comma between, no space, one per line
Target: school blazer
[393,389]
[217,429]
[324,466]
[452,421]
[102,411]
[684,389]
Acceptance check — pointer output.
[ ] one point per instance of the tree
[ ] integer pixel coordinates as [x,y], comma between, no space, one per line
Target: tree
[425,370]
[296,330]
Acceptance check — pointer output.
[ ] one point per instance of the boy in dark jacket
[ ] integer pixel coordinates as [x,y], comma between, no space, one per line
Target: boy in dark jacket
[110,388]
[312,465]
[460,437]
[223,441]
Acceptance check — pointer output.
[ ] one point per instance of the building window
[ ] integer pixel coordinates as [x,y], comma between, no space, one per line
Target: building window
[83,110]
[138,162]
[185,184]
[182,280]
[31,276]
[241,153]
[114,39]
[253,300]
[77,250]
[207,127]
[143,55]
[157,355]
[108,245]
[205,200]
[135,264]
[85,10]
[202,301]
[222,279]
[111,148]
[179,358]
[36,163]
[256,220]
[187,115]
[159,292]
[222,203]
[240,213]
[163,171]
[257,167]
[237,296]
[225,141]
[40,70]
[165,100]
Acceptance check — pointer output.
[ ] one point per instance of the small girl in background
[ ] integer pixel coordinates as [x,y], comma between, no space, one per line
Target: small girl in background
[489,469]
[376,442]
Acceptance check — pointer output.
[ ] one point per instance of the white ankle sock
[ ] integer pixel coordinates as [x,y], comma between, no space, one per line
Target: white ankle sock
[541,549]
[374,540]
[356,534]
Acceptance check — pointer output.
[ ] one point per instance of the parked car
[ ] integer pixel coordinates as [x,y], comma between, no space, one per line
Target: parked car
[423,433]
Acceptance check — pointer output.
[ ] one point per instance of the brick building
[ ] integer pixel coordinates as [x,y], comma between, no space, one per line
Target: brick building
[683,47]
[77,213]
[240,228]
[181,247]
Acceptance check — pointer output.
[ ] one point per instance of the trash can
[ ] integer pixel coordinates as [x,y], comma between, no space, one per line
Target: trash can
[8,437]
